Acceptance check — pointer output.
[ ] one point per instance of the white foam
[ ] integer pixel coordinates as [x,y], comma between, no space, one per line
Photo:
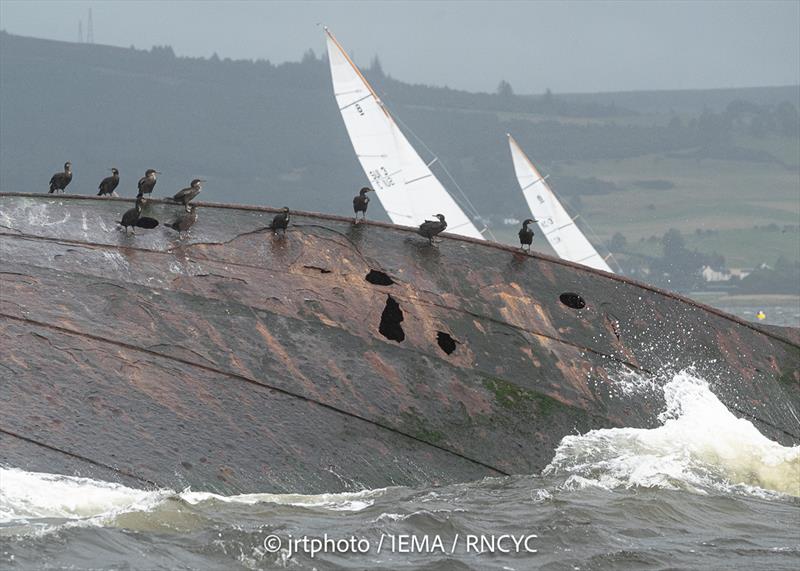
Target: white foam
[352,502]
[26,496]
[700,445]
[34,495]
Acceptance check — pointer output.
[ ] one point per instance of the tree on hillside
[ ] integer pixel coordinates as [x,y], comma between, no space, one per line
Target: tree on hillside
[673,243]
[504,89]
[375,67]
[617,242]
[164,52]
[782,279]
[309,56]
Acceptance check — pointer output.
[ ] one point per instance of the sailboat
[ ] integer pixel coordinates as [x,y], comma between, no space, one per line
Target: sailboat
[556,224]
[403,182]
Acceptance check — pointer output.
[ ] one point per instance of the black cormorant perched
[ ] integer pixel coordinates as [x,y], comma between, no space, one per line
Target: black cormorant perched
[185,221]
[60,180]
[281,221]
[133,217]
[361,202]
[526,235]
[147,182]
[431,228]
[185,195]
[109,184]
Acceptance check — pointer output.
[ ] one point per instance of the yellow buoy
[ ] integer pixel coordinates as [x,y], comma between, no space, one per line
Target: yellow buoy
[761,315]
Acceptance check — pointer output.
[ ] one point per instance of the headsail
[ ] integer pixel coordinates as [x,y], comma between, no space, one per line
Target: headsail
[405,185]
[558,227]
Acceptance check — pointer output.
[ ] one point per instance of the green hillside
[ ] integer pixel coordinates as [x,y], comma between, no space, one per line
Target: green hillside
[636,164]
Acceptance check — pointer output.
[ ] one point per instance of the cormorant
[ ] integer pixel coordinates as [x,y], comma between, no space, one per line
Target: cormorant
[60,180]
[133,217]
[185,221]
[109,184]
[147,182]
[185,195]
[361,202]
[431,228]
[281,221]
[526,235]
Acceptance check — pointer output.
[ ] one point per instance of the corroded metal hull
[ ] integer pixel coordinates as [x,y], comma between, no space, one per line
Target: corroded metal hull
[237,361]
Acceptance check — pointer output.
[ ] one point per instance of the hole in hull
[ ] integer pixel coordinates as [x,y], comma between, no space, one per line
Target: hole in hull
[378,278]
[391,318]
[446,342]
[572,300]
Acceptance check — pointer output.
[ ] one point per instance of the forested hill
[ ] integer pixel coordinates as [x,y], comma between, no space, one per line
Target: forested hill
[271,134]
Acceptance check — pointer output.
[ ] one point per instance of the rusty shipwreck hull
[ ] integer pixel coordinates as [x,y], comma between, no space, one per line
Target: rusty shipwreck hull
[239,362]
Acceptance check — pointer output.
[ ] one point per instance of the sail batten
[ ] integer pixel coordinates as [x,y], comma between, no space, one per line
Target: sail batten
[555,223]
[355,102]
[407,189]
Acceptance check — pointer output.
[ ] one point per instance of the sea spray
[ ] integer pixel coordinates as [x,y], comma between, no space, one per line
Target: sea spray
[700,445]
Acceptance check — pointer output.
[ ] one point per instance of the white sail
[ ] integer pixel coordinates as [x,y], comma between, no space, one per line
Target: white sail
[406,187]
[557,226]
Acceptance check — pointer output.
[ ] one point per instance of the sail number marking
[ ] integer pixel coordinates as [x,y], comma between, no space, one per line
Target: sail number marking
[381,178]
[543,222]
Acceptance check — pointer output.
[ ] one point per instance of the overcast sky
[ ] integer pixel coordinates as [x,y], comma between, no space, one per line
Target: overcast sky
[565,46]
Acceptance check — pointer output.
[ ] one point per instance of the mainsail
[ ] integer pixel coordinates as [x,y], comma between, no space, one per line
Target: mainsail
[405,185]
[558,227]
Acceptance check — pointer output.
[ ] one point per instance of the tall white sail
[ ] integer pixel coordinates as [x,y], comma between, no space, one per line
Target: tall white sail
[558,227]
[406,187]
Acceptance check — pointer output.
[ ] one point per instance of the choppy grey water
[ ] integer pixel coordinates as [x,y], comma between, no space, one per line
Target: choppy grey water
[703,491]
[782,314]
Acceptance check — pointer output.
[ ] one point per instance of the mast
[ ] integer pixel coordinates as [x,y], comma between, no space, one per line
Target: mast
[405,185]
[555,223]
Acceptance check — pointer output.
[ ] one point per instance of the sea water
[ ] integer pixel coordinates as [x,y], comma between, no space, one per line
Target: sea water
[704,490]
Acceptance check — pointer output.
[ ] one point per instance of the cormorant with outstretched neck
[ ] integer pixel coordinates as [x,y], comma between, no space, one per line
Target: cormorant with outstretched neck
[109,184]
[60,180]
[133,217]
[281,221]
[526,235]
[431,228]
[185,195]
[361,202]
[185,221]
[147,182]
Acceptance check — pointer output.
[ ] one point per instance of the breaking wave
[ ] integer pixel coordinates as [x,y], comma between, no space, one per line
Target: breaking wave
[700,445]
[26,496]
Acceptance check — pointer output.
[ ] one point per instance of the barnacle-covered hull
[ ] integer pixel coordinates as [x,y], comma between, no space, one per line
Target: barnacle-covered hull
[339,357]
